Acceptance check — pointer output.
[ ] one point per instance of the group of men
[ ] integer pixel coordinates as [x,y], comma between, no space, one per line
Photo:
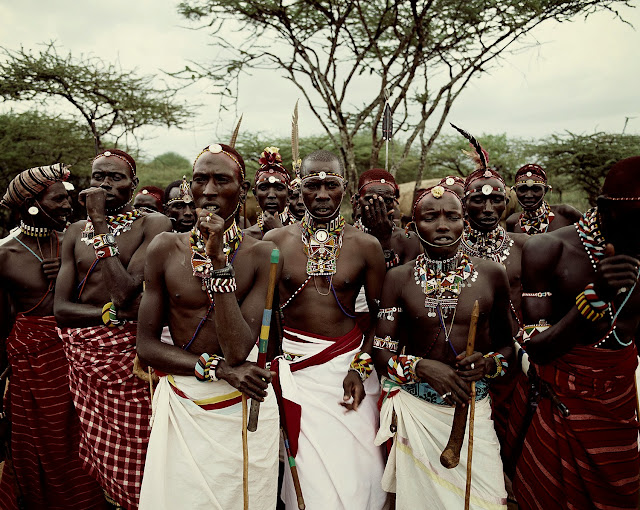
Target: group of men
[371,357]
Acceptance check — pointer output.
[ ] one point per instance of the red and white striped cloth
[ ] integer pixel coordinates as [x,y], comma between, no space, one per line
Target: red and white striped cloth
[113,405]
[45,426]
[589,459]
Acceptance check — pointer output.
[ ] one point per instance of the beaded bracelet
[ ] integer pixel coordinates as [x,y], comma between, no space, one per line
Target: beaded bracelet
[402,368]
[586,310]
[107,251]
[221,285]
[362,364]
[385,343]
[501,364]
[205,369]
[594,300]
[110,315]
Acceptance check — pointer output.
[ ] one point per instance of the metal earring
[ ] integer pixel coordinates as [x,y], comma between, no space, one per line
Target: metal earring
[33,210]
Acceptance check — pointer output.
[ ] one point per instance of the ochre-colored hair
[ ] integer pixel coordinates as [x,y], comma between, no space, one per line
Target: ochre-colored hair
[378,175]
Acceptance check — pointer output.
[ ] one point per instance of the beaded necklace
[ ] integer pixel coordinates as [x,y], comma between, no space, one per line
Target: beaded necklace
[30,231]
[538,221]
[322,244]
[493,245]
[593,242]
[439,276]
[117,224]
[200,261]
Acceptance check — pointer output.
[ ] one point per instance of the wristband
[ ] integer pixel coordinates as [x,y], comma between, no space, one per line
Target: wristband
[362,365]
[107,251]
[205,368]
[402,368]
[501,364]
[110,315]
[594,300]
[220,285]
[586,309]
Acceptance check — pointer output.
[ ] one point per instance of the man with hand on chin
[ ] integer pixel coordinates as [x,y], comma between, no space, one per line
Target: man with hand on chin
[426,377]
[98,291]
[209,285]
[327,361]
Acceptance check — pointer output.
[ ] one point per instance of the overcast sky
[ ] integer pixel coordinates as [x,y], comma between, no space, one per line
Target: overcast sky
[583,76]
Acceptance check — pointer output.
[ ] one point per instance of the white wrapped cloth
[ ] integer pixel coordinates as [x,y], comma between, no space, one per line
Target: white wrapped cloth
[413,469]
[339,466]
[194,458]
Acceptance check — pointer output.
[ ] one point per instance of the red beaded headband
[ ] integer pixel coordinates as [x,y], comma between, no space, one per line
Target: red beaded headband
[435,191]
[108,154]
[216,148]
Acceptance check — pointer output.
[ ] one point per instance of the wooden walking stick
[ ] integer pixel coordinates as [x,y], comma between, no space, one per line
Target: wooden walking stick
[294,471]
[264,334]
[450,457]
[245,455]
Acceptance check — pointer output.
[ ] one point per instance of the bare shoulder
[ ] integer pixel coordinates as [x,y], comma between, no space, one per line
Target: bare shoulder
[519,238]
[75,229]
[488,267]
[164,242]
[254,231]
[362,239]
[568,211]
[278,235]
[156,222]
[512,220]
[258,251]
[542,251]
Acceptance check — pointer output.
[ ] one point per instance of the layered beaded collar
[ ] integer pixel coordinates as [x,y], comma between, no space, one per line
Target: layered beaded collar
[34,231]
[285,218]
[439,276]
[117,224]
[493,245]
[322,244]
[538,221]
[200,261]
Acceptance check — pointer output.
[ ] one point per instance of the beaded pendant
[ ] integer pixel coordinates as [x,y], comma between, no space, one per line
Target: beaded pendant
[322,244]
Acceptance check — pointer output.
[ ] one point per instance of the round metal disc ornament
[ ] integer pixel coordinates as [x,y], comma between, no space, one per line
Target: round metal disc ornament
[321,236]
[487,189]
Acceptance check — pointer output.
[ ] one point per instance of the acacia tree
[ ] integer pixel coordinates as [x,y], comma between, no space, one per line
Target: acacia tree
[344,55]
[584,160]
[109,100]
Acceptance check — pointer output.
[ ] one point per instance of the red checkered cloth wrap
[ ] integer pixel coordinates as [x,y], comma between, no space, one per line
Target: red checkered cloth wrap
[113,405]
[45,428]
[589,459]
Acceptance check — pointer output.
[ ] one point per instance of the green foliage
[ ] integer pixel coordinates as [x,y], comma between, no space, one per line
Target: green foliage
[109,100]
[163,169]
[582,161]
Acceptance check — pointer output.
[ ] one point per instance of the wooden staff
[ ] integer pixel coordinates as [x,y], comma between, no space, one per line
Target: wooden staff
[472,415]
[294,471]
[245,455]
[264,334]
[450,457]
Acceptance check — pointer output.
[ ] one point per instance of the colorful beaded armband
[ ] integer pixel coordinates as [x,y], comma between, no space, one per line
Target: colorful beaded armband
[531,330]
[362,363]
[107,251]
[385,343]
[501,364]
[594,300]
[110,315]
[221,285]
[537,294]
[586,309]
[205,369]
[402,368]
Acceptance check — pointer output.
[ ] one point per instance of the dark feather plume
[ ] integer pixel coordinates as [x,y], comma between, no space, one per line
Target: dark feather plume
[475,144]
[234,136]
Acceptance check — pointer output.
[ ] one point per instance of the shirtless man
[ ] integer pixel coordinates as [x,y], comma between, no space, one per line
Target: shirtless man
[45,428]
[296,204]
[96,303]
[149,199]
[210,285]
[326,263]
[271,190]
[178,205]
[538,216]
[581,305]
[435,295]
